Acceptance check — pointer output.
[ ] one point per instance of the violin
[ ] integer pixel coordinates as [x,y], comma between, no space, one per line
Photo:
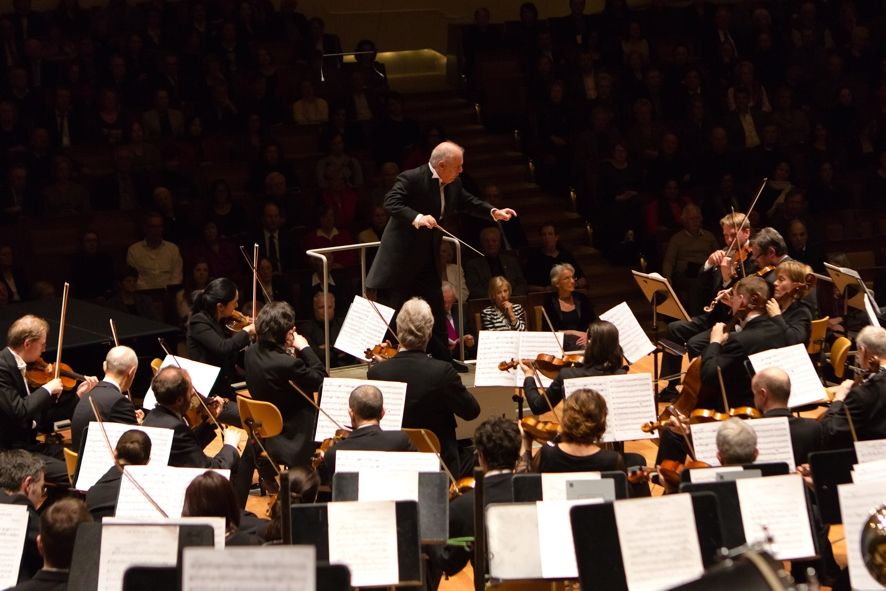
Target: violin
[461,486]
[671,470]
[547,365]
[320,452]
[380,351]
[238,321]
[197,413]
[39,373]
[541,431]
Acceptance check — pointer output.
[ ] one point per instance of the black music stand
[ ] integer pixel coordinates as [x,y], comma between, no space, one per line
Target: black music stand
[598,551]
[330,577]
[765,468]
[855,292]
[433,501]
[527,487]
[310,525]
[829,469]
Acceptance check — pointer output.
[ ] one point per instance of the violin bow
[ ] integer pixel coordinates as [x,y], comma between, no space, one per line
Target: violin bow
[254,270]
[382,318]
[317,406]
[460,241]
[747,216]
[127,475]
[255,281]
[722,389]
[430,445]
[117,344]
[199,396]
[691,448]
[551,327]
[61,331]
[743,274]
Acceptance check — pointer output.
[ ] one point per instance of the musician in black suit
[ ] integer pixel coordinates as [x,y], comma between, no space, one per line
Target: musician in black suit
[21,483]
[19,405]
[772,389]
[865,401]
[120,366]
[435,394]
[270,368]
[366,409]
[172,389]
[132,449]
[407,263]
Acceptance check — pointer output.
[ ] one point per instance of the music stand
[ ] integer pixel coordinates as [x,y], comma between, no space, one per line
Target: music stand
[310,525]
[854,291]
[765,469]
[330,577]
[433,501]
[527,487]
[598,550]
[829,469]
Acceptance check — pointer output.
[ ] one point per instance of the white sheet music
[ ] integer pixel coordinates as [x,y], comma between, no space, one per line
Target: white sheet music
[557,560]
[202,377]
[776,506]
[370,550]
[363,328]
[123,546]
[710,474]
[387,485]
[857,503]
[13,527]
[97,459]
[869,471]
[633,340]
[495,346]
[217,524]
[806,388]
[553,484]
[347,460]
[165,484]
[334,400]
[870,451]
[630,401]
[660,557]
[773,441]
[272,568]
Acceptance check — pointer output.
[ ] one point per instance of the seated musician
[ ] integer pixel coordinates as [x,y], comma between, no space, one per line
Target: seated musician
[736,443]
[366,409]
[270,368]
[120,366]
[303,487]
[21,483]
[602,357]
[502,314]
[435,394]
[20,405]
[132,449]
[578,449]
[497,441]
[173,390]
[211,495]
[772,390]
[58,531]
[788,307]
[864,400]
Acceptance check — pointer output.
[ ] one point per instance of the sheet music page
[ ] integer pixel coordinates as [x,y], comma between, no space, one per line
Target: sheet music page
[870,451]
[363,328]
[361,461]
[776,506]
[202,375]
[493,347]
[271,568]
[633,340]
[123,546]
[557,560]
[165,484]
[857,503]
[216,523]
[660,557]
[630,401]
[387,485]
[704,440]
[806,388]
[773,441]
[96,459]
[334,400]
[532,344]
[710,474]
[370,550]
[553,484]
[869,471]
[13,528]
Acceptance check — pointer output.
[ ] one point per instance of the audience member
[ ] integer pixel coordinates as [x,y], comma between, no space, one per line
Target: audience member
[543,258]
[158,262]
[568,310]
[495,262]
[502,314]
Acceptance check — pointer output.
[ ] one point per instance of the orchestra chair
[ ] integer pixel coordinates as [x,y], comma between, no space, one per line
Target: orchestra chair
[424,440]
[71,463]
[156,362]
[262,420]
[817,332]
[538,314]
[477,320]
[838,355]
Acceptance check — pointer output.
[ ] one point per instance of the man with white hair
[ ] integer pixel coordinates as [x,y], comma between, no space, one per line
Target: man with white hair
[435,394]
[119,366]
[409,256]
[736,443]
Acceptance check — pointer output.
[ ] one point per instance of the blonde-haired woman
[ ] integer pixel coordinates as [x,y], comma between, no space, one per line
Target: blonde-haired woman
[502,314]
[788,307]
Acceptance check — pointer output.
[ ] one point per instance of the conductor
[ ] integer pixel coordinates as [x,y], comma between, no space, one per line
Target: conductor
[407,262]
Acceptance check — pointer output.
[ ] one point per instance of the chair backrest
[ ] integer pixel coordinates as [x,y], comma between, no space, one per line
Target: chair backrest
[538,313]
[71,463]
[839,353]
[817,332]
[477,321]
[263,418]
[424,440]
[155,365]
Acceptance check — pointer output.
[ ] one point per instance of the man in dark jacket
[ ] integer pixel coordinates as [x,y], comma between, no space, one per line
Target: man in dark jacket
[772,389]
[21,483]
[120,366]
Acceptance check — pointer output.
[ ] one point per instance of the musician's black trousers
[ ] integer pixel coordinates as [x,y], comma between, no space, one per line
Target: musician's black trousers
[695,334]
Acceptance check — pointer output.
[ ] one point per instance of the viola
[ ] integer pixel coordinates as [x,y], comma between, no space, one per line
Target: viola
[39,373]
[541,431]
[320,452]
[197,412]
[237,321]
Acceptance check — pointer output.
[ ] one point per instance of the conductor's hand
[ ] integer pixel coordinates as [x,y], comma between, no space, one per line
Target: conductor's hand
[426,221]
[503,214]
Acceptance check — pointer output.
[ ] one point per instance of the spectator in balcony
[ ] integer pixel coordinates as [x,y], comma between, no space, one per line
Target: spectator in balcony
[272,160]
[313,329]
[64,197]
[127,298]
[220,253]
[341,121]
[685,255]
[163,122]
[221,115]
[310,109]
[502,314]
[569,311]
[67,125]
[394,133]
[158,262]
[452,274]
[146,157]
[13,276]
[230,217]
[91,268]
[495,262]
[340,197]
[337,156]
[17,197]
[801,247]
[543,258]
[328,234]
[125,189]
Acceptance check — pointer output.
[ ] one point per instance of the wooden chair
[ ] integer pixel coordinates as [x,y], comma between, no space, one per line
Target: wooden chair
[262,420]
[71,458]
[817,332]
[838,355]
[155,365]
[538,314]
[424,440]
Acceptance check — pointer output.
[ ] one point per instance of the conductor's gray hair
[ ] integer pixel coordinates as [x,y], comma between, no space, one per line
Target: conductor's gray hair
[873,339]
[557,270]
[120,360]
[414,324]
[444,152]
[736,442]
